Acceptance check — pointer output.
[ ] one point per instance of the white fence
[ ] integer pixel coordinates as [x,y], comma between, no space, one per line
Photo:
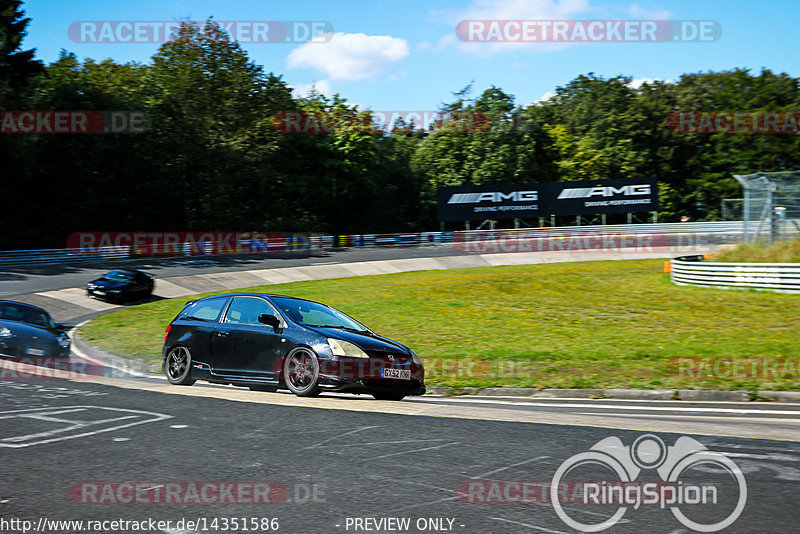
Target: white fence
[781,277]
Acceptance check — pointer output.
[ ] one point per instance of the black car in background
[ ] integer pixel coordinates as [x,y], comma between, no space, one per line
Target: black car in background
[27,330]
[121,285]
[269,342]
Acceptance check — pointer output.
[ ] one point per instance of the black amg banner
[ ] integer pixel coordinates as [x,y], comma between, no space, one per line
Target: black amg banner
[508,201]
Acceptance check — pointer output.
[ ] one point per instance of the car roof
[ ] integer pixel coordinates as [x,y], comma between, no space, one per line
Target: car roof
[256,295]
[24,304]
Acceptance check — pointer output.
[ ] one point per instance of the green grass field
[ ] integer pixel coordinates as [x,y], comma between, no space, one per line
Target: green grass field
[582,325]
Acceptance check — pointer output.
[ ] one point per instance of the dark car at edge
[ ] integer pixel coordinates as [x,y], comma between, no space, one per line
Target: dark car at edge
[270,342]
[27,330]
[121,285]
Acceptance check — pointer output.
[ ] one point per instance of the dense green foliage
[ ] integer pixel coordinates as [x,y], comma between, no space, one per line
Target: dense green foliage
[213,159]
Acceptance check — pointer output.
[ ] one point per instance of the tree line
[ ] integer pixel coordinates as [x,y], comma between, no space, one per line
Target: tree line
[213,159]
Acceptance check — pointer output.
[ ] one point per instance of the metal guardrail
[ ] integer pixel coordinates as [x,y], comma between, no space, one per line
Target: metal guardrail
[779,277]
[14,258]
[19,258]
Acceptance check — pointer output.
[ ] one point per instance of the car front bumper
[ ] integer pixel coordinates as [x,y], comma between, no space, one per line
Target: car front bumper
[344,385]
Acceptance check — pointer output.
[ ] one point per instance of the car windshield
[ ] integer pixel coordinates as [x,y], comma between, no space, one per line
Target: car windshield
[25,314]
[119,276]
[315,314]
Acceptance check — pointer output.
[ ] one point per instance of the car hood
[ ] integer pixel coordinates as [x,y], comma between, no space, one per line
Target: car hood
[365,342]
[106,283]
[29,330]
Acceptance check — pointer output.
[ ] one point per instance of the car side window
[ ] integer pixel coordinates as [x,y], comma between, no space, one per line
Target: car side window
[245,310]
[206,310]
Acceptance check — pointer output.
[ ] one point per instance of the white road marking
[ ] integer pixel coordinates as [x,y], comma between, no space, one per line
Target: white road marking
[80,426]
[510,466]
[773,457]
[615,406]
[422,504]
[415,450]
[380,443]
[782,472]
[411,482]
[690,416]
[339,436]
[528,525]
[78,297]
[123,368]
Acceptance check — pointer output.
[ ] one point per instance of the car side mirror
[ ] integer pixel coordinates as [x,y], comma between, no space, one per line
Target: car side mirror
[269,320]
[61,327]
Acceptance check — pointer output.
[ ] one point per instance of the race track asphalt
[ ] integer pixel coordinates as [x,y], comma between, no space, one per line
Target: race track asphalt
[68,445]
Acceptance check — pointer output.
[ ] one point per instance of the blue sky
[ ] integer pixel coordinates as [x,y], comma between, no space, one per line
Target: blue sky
[404,55]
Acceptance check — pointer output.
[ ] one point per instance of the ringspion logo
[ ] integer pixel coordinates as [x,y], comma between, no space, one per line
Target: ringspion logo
[692,501]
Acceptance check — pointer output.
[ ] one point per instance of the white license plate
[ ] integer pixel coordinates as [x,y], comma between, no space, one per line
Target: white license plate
[34,352]
[399,374]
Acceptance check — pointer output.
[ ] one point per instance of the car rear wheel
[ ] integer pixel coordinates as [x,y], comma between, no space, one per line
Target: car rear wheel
[301,373]
[178,367]
[389,396]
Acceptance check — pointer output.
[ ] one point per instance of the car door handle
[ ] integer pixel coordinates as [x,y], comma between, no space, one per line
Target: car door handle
[222,333]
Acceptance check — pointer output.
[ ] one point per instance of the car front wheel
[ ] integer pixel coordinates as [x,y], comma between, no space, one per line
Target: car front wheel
[178,367]
[301,373]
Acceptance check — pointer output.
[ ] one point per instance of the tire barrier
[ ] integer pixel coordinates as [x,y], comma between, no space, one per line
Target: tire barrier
[778,277]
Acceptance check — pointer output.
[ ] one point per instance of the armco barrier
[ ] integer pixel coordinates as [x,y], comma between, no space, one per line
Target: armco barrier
[780,277]
[18,258]
[13,258]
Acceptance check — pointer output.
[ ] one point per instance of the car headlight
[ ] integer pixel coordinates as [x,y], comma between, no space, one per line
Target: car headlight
[415,358]
[64,341]
[345,348]
[5,332]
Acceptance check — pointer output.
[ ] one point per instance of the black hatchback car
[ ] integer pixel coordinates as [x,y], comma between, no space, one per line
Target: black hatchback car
[121,285]
[269,342]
